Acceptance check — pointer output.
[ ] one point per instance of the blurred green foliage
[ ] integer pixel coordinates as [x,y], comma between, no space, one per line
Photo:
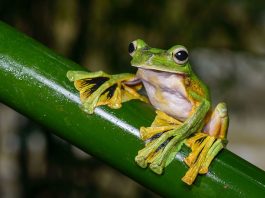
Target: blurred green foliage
[96,33]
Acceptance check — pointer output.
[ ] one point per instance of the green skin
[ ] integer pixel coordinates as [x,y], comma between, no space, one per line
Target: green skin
[188,101]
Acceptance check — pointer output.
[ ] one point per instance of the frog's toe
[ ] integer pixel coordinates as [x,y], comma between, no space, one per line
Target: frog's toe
[166,154]
[217,146]
[140,160]
[157,152]
[88,108]
[204,170]
[187,179]
[203,152]
[196,143]
[155,167]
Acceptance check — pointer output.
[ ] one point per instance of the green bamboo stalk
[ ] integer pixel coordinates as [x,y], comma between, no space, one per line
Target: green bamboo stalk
[33,82]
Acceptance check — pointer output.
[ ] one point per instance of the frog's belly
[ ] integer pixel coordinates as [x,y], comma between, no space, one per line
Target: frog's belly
[170,102]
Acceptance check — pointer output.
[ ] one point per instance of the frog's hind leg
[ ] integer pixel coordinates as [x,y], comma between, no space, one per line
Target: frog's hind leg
[218,124]
[205,146]
[216,127]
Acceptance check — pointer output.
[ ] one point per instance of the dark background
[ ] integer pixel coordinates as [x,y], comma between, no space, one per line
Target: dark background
[227,44]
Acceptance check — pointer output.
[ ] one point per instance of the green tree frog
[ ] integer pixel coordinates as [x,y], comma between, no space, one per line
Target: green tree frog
[181,100]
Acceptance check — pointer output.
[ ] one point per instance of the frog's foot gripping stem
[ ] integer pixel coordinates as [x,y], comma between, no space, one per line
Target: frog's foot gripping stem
[205,146]
[99,88]
[161,147]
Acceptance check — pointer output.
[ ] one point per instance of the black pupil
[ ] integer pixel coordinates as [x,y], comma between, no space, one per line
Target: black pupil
[131,48]
[181,55]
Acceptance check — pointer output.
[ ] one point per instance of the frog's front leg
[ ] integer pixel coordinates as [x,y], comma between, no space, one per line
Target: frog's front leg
[161,148]
[99,88]
[205,146]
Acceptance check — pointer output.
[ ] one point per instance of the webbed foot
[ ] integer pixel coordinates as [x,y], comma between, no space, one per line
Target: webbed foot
[158,155]
[162,146]
[99,88]
[204,149]
[205,146]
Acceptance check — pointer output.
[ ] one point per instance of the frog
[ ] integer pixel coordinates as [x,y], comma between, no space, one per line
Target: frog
[184,113]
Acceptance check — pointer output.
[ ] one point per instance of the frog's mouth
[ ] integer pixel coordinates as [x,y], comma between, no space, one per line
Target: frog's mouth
[156,69]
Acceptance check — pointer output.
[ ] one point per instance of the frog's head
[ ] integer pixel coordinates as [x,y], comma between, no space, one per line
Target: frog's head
[174,60]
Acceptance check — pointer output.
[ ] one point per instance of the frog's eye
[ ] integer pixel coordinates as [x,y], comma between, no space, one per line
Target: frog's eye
[132,47]
[180,55]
